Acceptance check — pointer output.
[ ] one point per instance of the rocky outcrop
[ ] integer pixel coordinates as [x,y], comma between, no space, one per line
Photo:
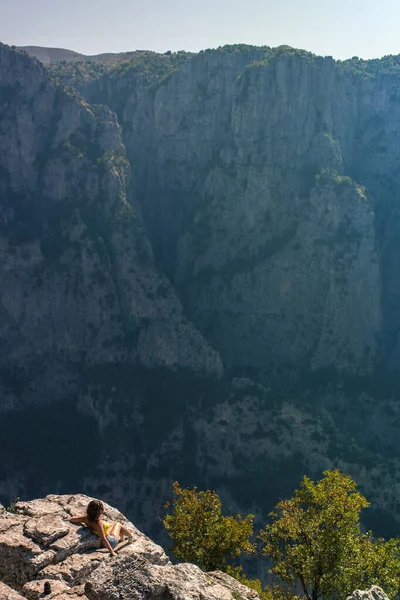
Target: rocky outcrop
[39,547]
[38,542]
[374,593]
[132,577]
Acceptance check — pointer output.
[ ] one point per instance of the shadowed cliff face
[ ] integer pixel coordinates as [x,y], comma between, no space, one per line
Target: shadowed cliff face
[79,283]
[80,291]
[265,184]
[275,258]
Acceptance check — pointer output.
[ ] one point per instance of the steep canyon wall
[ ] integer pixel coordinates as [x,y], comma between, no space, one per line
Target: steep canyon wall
[199,277]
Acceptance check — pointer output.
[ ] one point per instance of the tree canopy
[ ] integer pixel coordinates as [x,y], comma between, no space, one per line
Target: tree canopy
[202,534]
[315,539]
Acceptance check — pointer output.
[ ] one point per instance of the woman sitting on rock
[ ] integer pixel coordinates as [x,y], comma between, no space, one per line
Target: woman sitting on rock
[109,533]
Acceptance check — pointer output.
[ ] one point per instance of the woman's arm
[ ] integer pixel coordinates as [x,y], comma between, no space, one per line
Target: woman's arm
[81,519]
[107,545]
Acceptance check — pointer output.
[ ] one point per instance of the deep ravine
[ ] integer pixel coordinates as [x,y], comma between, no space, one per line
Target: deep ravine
[199,279]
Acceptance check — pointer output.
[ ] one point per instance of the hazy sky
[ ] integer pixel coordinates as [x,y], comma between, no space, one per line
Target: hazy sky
[341,28]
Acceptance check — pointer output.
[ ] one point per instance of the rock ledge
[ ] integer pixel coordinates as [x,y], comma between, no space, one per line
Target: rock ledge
[38,545]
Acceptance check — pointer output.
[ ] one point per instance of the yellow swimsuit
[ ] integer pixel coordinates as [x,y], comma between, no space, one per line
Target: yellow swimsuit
[106,527]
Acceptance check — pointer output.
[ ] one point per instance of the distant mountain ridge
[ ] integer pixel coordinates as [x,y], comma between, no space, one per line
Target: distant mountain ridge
[54,55]
[48,55]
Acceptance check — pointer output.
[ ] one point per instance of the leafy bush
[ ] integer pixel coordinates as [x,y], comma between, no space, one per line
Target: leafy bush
[202,534]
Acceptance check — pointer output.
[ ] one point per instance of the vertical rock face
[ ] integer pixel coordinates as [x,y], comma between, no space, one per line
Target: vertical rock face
[82,301]
[79,285]
[376,157]
[270,254]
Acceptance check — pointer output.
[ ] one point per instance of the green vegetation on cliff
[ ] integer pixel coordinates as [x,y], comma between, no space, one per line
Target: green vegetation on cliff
[387,65]
[314,540]
[202,534]
[150,66]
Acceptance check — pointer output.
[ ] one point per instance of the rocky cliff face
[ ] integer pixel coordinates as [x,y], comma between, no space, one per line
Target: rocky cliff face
[198,275]
[78,275]
[269,252]
[80,291]
[39,547]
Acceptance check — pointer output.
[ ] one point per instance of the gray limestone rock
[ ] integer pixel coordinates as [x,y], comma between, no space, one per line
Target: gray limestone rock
[76,568]
[130,578]
[374,593]
[38,542]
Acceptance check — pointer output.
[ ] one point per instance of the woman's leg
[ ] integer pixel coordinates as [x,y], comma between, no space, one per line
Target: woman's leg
[125,532]
[117,529]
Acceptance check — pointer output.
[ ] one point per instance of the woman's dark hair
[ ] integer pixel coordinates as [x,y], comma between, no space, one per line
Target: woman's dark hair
[94,510]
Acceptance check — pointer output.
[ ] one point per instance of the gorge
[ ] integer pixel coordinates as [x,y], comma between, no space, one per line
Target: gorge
[199,276]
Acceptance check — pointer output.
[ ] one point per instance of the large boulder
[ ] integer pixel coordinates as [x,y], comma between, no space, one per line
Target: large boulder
[43,555]
[374,593]
[134,578]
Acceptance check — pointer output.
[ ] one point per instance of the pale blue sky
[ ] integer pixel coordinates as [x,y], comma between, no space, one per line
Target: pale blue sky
[341,28]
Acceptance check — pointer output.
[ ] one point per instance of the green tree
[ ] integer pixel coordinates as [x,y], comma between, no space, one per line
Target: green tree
[202,534]
[315,539]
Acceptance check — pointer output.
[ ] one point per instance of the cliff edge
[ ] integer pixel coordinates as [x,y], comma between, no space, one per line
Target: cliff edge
[38,545]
